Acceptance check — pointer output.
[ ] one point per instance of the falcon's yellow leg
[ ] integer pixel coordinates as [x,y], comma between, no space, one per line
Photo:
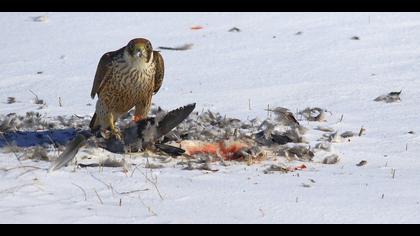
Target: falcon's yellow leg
[110,122]
[141,110]
[116,132]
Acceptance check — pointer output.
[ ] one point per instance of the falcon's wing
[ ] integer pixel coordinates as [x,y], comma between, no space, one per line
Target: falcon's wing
[102,73]
[160,70]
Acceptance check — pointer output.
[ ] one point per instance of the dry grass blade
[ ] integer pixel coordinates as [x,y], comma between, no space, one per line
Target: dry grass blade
[152,182]
[133,191]
[37,100]
[84,192]
[99,197]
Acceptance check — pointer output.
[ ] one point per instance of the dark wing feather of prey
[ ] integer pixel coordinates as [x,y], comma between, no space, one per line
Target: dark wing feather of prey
[69,153]
[174,118]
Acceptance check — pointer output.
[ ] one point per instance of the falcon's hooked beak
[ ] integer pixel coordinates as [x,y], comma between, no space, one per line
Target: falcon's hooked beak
[138,54]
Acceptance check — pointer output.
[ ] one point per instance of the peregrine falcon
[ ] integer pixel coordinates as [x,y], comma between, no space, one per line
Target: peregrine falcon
[124,79]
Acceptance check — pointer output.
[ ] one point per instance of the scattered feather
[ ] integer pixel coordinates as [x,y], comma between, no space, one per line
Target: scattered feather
[326,146]
[38,153]
[362,163]
[324,129]
[389,98]
[277,168]
[348,134]
[331,159]
[153,166]
[234,29]
[306,185]
[284,116]
[313,114]
[11,100]
[179,48]
[69,154]
[333,138]
[299,152]
[43,18]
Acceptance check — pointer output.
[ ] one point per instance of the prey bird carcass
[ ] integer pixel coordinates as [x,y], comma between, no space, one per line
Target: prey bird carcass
[203,138]
[136,136]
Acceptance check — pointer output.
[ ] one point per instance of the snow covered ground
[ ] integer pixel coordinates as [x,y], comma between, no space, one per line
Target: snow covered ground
[265,63]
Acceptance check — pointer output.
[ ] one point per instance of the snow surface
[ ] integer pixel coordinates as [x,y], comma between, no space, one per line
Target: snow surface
[265,63]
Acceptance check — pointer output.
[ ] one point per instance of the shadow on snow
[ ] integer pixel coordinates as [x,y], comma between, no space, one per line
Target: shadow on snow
[37,138]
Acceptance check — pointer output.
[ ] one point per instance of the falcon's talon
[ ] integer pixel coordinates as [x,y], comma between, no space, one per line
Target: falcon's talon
[117,134]
[117,137]
[106,134]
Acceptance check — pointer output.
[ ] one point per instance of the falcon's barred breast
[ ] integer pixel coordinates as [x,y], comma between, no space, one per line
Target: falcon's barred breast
[124,79]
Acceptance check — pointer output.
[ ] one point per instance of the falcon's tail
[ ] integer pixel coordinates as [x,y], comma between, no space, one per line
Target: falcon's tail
[92,124]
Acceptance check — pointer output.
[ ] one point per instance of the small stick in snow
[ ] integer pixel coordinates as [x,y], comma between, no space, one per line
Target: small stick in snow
[249,103]
[393,173]
[60,103]
[134,191]
[100,200]
[361,131]
[37,100]
[148,207]
[342,116]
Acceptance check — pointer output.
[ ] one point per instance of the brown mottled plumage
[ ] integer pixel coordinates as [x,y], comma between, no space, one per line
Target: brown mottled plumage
[124,79]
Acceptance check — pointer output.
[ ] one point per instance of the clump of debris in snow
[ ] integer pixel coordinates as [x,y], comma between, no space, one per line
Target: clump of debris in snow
[35,121]
[203,139]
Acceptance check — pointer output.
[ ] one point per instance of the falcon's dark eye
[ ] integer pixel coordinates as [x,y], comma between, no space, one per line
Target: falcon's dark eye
[131,49]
